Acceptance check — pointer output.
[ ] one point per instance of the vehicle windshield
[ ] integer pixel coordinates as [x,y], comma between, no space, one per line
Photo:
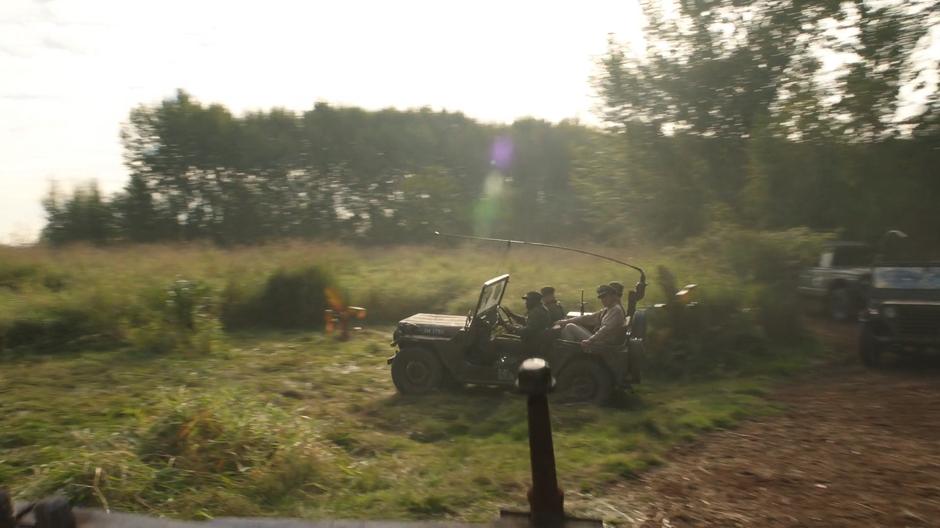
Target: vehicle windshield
[907,277]
[492,294]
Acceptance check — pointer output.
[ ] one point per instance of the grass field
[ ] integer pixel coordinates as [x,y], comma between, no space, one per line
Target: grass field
[295,423]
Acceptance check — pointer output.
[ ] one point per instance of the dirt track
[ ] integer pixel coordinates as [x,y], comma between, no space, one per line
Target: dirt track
[854,448]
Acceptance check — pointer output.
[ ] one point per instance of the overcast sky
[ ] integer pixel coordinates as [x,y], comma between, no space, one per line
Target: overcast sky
[70,70]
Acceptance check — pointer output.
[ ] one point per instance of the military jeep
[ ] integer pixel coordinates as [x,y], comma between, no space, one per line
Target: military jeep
[436,351]
[903,314]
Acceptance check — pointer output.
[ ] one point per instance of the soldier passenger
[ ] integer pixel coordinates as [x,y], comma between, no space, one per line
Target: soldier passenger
[609,321]
[555,310]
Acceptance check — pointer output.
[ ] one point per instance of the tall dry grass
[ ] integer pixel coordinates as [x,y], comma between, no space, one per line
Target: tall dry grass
[176,297]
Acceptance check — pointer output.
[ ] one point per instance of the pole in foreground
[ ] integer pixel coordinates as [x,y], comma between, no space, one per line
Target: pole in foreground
[546,500]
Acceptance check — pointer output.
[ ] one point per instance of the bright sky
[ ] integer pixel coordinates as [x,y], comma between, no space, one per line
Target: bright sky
[70,70]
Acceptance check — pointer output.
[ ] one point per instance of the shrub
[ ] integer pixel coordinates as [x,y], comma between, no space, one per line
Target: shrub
[292,299]
[716,333]
[772,262]
[769,256]
[178,318]
[90,319]
[779,310]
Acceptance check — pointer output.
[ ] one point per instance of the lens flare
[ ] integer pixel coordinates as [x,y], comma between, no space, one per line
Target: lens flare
[486,211]
[493,184]
[501,153]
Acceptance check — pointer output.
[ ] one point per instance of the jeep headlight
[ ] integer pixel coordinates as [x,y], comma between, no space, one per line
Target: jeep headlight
[889,312]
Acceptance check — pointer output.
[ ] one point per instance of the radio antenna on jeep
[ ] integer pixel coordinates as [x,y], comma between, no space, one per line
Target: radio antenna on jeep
[540,244]
[641,286]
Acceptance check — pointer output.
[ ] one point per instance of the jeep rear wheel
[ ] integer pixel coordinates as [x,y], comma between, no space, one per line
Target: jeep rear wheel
[584,381]
[416,371]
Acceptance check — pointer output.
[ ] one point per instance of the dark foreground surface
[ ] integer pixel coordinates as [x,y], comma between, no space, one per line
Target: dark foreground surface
[854,447]
[97,518]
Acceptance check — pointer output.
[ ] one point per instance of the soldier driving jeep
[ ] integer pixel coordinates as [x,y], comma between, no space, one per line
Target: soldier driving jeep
[532,327]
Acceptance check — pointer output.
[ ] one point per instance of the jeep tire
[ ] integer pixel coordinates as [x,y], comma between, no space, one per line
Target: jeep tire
[416,371]
[584,380]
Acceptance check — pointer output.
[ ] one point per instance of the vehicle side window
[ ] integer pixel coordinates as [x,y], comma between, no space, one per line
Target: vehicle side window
[825,261]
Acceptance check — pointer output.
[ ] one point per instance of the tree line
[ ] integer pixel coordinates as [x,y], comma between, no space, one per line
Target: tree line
[731,115]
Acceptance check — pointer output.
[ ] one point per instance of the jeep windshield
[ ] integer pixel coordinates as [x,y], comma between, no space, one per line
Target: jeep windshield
[491,294]
[906,277]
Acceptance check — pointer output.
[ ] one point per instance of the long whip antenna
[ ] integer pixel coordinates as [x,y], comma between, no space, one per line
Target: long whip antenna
[540,244]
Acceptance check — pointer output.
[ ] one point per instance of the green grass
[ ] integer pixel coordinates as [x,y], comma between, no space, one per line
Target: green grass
[392,282]
[298,424]
[302,425]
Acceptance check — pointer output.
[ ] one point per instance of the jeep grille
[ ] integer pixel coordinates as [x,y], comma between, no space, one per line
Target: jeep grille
[918,320]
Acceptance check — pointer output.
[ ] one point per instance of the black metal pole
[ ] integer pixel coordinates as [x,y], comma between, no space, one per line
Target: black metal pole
[7,517]
[546,500]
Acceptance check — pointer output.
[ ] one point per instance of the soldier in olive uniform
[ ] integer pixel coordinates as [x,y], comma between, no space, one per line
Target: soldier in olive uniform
[555,310]
[609,321]
[537,321]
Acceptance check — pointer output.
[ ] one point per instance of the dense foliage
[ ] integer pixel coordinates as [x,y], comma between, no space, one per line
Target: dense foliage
[778,113]
[199,172]
[769,113]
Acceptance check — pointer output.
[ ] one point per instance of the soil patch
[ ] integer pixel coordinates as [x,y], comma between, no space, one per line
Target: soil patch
[854,447]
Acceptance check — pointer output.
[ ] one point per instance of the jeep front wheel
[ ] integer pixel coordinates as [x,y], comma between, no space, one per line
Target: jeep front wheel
[584,381]
[416,371]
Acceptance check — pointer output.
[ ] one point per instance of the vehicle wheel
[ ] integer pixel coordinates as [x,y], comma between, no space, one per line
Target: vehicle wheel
[416,371]
[840,304]
[869,349]
[584,380]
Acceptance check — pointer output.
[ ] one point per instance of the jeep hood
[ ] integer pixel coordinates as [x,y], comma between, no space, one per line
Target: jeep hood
[432,325]
[423,319]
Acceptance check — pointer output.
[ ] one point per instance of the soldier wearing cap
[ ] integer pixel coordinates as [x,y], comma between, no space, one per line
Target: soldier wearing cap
[555,310]
[609,321]
[618,288]
[536,321]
